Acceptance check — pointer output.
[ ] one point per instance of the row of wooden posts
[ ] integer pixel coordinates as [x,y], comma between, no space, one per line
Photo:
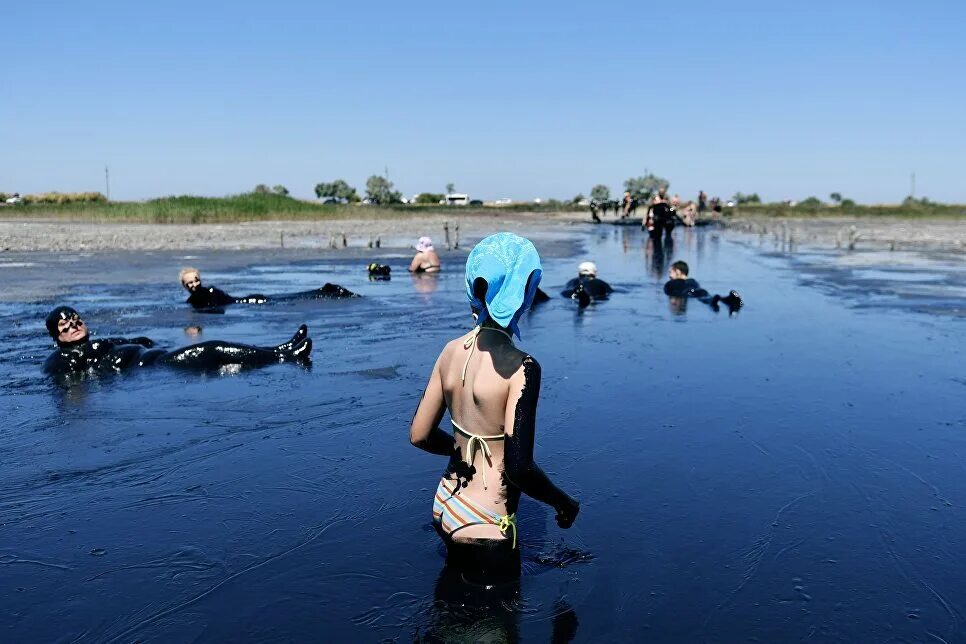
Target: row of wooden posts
[342,241]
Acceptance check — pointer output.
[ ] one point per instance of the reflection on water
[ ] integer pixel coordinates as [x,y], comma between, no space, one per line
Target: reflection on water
[793,473]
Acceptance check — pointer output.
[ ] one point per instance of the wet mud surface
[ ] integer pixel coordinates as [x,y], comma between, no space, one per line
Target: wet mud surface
[795,472]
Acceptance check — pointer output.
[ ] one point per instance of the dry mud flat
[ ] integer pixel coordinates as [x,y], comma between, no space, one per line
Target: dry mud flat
[19,236]
[865,233]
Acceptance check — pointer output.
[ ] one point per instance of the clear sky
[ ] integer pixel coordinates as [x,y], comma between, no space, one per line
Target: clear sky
[503,99]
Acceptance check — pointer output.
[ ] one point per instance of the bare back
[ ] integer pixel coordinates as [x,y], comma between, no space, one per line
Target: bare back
[478,405]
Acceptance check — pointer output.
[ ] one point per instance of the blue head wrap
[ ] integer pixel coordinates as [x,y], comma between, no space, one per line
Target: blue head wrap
[506,261]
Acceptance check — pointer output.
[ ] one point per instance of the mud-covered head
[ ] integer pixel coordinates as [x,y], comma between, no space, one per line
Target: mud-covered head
[502,275]
[65,325]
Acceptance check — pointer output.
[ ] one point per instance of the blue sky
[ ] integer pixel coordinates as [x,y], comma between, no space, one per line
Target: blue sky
[503,99]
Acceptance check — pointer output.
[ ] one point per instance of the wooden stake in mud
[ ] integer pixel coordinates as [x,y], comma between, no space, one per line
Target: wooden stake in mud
[378,242]
[457,244]
[345,242]
[446,233]
[281,239]
[370,240]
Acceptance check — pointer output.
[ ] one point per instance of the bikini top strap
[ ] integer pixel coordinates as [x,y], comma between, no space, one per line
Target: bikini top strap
[478,443]
[471,345]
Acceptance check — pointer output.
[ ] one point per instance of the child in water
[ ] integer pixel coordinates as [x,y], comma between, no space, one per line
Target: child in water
[490,389]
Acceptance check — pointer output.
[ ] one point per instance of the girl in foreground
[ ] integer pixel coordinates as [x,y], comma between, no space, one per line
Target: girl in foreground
[490,389]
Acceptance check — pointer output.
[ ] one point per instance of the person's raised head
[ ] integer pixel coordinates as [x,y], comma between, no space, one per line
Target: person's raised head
[190,278]
[65,325]
[502,275]
[679,270]
[587,269]
[424,245]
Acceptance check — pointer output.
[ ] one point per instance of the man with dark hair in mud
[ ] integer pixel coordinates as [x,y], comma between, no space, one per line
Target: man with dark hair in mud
[212,298]
[78,353]
[681,286]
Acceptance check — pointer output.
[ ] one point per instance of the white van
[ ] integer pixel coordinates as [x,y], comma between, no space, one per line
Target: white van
[457,199]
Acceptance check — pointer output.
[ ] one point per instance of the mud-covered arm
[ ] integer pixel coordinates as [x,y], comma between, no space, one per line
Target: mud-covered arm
[141,340]
[424,431]
[520,432]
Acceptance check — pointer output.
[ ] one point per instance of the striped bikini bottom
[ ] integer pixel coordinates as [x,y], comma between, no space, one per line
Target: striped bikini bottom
[454,512]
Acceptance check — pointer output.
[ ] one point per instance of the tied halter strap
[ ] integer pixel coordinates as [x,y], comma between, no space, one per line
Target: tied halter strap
[477,442]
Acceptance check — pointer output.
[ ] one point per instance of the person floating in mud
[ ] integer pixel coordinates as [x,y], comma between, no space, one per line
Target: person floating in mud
[379,272]
[212,298]
[681,286]
[426,260]
[490,389]
[78,353]
[586,287]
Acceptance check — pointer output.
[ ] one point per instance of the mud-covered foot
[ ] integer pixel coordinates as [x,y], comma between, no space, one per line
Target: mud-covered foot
[299,352]
[301,334]
[733,301]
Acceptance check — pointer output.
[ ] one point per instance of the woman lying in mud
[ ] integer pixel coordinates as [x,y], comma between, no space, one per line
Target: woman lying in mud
[490,389]
[211,297]
[77,353]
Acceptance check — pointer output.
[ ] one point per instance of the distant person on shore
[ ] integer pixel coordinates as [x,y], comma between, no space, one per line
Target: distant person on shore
[628,205]
[426,259]
[689,214]
[213,299]
[77,353]
[702,201]
[680,285]
[594,207]
[490,389]
[586,287]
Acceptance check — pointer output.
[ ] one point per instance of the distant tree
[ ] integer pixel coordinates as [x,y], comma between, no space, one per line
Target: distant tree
[380,191]
[912,202]
[429,198]
[576,200]
[847,203]
[450,188]
[261,189]
[600,192]
[641,188]
[338,190]
[741,198]
[280,190]
[836,197]
[811,202]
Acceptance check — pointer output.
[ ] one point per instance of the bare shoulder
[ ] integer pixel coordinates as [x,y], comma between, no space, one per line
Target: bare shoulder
[522,365]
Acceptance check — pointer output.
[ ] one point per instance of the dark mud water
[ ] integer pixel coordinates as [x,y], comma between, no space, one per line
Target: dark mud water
[793,473]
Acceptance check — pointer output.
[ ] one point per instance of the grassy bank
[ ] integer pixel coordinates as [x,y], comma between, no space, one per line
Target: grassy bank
[236,209]
[274,207]
[904,211]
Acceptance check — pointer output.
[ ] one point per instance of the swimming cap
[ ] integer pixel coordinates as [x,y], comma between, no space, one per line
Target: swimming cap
[55,316]
[511,267]
[424,244]
[587,268]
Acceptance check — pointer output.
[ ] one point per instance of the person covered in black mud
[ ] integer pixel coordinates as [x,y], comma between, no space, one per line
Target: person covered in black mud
[660,218]
[212,298]
[78,353]
[587,287]
[681,286]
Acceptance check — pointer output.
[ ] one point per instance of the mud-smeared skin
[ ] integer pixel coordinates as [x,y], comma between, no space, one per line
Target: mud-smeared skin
[118,354]
[521,473]
[213,298]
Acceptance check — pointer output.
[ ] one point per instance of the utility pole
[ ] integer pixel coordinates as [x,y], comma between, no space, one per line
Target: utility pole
[107,182]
